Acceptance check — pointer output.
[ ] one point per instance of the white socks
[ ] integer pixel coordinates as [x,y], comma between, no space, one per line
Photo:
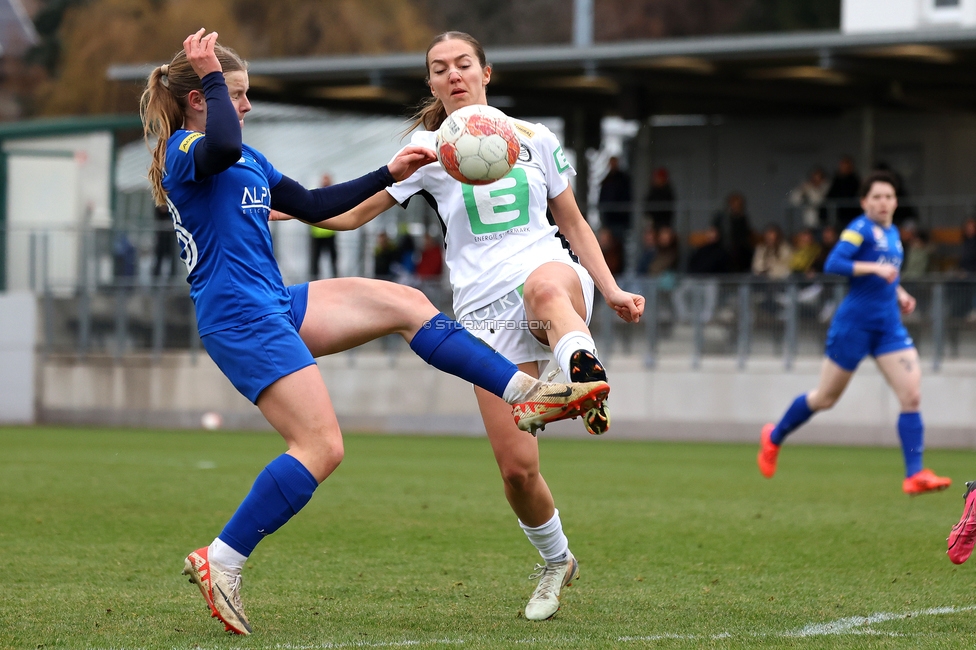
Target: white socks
[567,345]
[549,539]
[226,557]
[520,387]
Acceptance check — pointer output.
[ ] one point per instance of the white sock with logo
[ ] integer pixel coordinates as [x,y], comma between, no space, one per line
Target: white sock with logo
[567,345]
[520,387]
[549,539]
[229,560]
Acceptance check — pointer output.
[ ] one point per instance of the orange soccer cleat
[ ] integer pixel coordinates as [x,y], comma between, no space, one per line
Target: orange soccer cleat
[768,452]
[962,537]
[552,402]
[220,589]
[923,482]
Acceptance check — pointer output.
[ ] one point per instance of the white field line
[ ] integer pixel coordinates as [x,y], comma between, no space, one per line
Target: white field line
[858,624]
[371,644]
[853,625]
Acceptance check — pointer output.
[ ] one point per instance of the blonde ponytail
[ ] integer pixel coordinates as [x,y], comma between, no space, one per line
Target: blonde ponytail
[163,107]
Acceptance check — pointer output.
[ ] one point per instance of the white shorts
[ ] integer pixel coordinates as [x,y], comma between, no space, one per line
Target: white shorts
[503,325]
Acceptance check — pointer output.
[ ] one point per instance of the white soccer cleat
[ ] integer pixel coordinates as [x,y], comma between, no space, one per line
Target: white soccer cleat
[552,578]
[221,590]
[552,402]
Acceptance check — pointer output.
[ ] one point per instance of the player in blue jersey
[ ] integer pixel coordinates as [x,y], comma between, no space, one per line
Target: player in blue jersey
[265,336]
[868,322]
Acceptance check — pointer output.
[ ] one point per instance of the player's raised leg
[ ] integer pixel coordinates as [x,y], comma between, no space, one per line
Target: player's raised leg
[346,312]
[528,494]
[833,381]
[554,296]
[903,373]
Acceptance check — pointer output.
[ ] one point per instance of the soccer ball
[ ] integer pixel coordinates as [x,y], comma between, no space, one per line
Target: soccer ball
[477,144]
[211,421]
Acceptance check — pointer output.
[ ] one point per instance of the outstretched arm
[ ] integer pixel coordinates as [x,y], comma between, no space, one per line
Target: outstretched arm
[316,206]
[351,219]
[573,226]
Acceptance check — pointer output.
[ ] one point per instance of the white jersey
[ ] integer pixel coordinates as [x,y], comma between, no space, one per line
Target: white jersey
[495,234]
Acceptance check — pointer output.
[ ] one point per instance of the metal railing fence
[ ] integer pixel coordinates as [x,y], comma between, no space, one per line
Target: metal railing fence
[105,292]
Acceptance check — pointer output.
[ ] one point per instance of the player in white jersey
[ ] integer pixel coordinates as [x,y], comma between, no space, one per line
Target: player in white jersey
[521,284]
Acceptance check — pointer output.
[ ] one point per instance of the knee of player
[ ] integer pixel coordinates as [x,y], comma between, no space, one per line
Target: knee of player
[322,454]
[539,292]
[411,301]
[911,401]
[518,477]
[821,402]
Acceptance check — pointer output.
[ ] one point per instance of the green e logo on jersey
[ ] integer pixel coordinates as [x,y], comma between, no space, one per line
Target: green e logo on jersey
[501,206]
[561,163]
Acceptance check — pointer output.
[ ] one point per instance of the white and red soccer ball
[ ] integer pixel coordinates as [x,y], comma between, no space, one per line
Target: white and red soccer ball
[211,421]
[477,144]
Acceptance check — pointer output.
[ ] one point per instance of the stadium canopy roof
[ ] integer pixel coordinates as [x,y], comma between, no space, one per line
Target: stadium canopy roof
[783,73]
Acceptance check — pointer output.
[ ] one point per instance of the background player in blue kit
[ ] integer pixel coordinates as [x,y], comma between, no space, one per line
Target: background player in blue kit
[868,322]
[264,336]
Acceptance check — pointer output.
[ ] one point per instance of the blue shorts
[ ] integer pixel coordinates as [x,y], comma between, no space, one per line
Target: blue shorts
[847,344]
[257,354]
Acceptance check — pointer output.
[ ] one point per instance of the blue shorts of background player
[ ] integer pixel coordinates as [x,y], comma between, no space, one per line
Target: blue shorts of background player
[848,344]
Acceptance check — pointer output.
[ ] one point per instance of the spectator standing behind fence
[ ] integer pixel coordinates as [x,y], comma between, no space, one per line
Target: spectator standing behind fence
[843,192]
[615,204]
[967,268]
[772,256]
[918,253]
[322,240]
[733,227]
[612,250]
[828,239]
[710,258]
[384,256]
[660,199]
[165,249]
[668,253]
[648,252]
[805,253]
[809,196]
[431,263]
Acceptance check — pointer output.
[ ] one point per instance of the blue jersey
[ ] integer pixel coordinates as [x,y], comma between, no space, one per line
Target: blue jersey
[872,301]
[221,222]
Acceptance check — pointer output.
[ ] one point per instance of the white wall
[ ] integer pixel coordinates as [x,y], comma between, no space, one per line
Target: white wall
[55,183]
[372,393]
[901,15]
[18,326]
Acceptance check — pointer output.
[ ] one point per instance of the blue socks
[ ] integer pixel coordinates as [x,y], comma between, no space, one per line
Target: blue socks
[279,492]
[797,414]
[446,345]
[911,432]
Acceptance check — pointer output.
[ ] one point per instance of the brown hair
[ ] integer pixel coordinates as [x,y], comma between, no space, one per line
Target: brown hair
[163,106]
[878,176]
[431,112]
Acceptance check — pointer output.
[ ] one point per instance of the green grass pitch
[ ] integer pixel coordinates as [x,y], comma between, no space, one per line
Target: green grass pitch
[411,544]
